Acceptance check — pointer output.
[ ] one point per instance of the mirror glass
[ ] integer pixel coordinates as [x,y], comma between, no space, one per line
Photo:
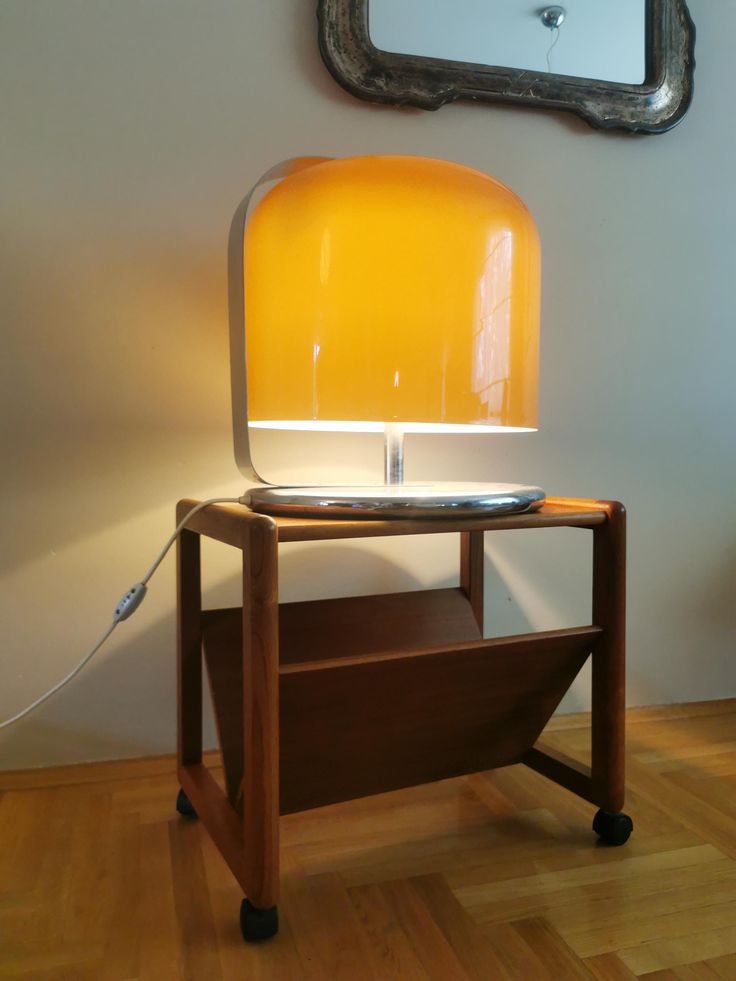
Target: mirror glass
[594,39]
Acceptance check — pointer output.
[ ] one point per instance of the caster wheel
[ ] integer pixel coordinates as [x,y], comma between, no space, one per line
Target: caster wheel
[258,924]
[613,829]
[184,805]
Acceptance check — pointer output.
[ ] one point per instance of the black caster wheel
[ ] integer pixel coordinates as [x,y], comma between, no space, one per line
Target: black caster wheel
[184,805]
[613,829]
[258,924]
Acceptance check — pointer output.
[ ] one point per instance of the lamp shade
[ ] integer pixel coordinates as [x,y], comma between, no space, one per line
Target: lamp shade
[390,289]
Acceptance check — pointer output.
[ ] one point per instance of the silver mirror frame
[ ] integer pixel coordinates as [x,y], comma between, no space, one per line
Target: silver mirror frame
[655,106]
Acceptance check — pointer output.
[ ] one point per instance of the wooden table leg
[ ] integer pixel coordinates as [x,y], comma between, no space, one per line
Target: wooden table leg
[261,713]
[471,571]
[609,660]
[603,782]
[189,650]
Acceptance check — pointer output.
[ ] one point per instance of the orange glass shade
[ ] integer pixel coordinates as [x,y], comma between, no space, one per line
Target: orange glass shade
[392,289]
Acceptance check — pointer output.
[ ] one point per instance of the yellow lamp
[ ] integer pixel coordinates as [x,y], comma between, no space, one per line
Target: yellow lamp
[384,293]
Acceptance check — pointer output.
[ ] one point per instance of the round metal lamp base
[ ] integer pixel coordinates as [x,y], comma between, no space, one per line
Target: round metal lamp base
[435,500]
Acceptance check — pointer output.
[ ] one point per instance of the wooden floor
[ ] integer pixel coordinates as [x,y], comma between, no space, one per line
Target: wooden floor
[492,876]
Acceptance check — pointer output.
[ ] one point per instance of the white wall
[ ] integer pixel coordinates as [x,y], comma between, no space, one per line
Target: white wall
[129,132]
[597,39]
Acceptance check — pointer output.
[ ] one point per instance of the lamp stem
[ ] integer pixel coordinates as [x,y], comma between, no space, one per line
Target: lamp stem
[393,453]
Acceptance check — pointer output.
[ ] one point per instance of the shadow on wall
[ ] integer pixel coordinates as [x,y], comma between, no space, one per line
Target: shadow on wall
[93,718]
[717,598]
[119,405]
[316,571]
[130,678]
[116,395]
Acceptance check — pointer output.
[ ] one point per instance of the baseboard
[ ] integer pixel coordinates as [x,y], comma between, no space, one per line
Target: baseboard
[165,765]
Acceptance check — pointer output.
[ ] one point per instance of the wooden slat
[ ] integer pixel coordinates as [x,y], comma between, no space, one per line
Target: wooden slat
[561,768]
[466,647]
[189,644]
[350,625]
[222,823]
[363,725]
[229,522]
[607,967]
[354,625]
[472,556]
[608,694]
[552,515]
[261,713]
[222,645]
[399,956]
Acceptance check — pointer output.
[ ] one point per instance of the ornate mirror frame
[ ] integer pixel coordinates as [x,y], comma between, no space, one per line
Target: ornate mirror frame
[655,106]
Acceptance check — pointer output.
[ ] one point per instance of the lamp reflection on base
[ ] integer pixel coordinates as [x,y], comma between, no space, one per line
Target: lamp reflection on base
[426,500]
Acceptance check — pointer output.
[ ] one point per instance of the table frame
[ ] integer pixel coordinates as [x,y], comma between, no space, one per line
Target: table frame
[301,730]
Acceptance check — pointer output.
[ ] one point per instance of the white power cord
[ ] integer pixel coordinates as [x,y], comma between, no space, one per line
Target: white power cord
[127,605]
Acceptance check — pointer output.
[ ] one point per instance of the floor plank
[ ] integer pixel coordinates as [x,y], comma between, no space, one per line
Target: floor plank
[493,876]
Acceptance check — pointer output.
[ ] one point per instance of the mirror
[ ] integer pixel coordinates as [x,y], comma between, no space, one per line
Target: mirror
[584,38]
[617,63]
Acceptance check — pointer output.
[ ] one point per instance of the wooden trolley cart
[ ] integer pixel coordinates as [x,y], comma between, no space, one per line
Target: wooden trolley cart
[324,701]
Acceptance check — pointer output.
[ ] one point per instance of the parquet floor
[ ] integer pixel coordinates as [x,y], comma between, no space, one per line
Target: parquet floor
[491,876]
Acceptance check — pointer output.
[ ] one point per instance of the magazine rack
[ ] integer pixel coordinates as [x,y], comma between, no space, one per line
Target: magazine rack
[328,700]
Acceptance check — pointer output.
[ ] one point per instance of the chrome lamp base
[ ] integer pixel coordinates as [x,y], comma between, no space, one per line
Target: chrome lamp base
[430,500]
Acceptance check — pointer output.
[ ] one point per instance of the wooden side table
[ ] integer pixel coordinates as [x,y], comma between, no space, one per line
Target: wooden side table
[328,700]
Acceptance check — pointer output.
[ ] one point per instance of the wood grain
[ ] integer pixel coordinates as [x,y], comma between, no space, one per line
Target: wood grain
[345,627]
[335,699]
[366,724]
[407,716]
[552,515]
[101,879]
[564,770]
[189,643]
[225,522]
[261,712]
[670,749]
[609,659]
[355,625]
[222,821]
[222,649]
[472,556]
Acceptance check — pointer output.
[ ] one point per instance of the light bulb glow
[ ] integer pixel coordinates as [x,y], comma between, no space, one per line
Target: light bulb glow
[362,426]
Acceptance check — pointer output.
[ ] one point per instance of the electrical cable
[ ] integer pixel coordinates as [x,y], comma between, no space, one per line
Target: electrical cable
[60,685]
[556,31]
[126,607]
